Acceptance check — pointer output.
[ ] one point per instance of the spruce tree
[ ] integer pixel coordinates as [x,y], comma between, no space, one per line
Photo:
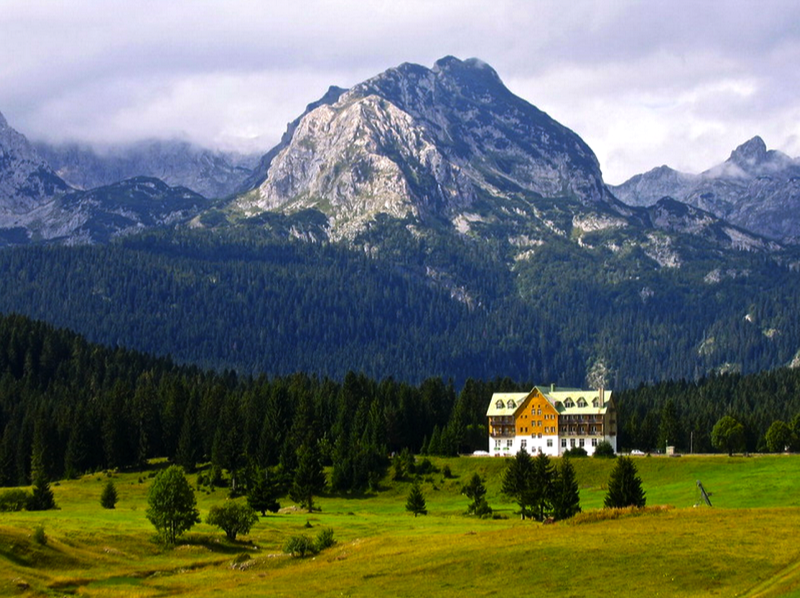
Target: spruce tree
[262,495]
[416,501]
[566,498]
[541,486]
[476,492]
[42,498]
[624,486]
[109,496]
[309,478]
[516,481]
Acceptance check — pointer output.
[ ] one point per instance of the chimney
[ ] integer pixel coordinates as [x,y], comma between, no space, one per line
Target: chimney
[552,387]
[602,396]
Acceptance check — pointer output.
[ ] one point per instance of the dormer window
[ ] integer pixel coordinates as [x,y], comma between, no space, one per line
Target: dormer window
[581,402]
[568,403]
[511,404]
[499,404]
[595,403]
[559,404]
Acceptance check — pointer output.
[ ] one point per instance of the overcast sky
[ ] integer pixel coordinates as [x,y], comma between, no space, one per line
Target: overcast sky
[644,83]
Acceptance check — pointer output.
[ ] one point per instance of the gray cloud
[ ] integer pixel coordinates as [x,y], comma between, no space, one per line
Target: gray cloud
[644,83]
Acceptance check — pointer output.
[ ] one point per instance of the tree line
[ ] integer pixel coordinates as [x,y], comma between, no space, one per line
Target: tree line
[68,407]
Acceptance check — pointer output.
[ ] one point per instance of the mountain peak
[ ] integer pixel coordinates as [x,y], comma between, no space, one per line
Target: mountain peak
[751,153]
[431,143]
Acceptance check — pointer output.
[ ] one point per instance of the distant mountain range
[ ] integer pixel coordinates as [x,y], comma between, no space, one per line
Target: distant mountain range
[755,189]
[449,146]
[212,174]
[424,222]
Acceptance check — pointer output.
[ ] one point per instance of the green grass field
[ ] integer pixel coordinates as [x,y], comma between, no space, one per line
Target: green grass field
[746,545]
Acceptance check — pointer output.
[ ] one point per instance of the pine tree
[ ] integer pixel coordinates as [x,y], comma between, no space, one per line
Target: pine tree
[108,499]
[263,493]
[42,498]
[476,492]
[309,478]
[541,486]
[566,498]
[517,480]
[416,501]
[624,486]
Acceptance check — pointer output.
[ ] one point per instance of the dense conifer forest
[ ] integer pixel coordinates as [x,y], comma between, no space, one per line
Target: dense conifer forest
[68,406]
[411,307]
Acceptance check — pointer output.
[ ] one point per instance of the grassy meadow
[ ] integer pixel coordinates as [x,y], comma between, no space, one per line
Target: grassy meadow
[746,545]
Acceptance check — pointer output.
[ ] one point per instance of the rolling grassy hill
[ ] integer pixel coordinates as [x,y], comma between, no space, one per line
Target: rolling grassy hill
[745,545]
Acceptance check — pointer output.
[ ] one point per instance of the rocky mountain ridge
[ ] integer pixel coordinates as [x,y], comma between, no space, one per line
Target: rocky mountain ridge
[212,174]
[25,177]
[432,144]
[755,188]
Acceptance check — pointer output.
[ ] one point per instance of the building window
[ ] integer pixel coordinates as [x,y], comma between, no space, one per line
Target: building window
[540,435]
[523,444]
[549,442]
[540,412]
[509,443]
[497,443]
[572,443]
[563,443]
[594,441]
[580,443]
[581,402]
[595,403]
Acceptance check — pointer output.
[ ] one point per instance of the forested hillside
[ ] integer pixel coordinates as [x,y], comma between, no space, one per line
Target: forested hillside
[412,306]
[67,406]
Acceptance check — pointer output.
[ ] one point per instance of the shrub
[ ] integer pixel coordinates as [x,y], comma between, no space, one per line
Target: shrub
[604,450]
[299,546]
[446,471]
[13,500]
[39,536]
[233,518]
[576,451]
[425,467]
[325,539]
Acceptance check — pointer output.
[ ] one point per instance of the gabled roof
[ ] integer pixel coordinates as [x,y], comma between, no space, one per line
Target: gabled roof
[506,403]
[561,397]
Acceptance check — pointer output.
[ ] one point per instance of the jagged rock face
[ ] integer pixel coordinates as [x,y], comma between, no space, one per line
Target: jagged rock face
[26,180]
[100,214]
[427,143]
[755,189]
[675,217]
[177,163]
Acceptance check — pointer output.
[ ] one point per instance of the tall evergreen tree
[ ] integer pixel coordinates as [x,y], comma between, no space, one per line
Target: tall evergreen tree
[309,479]
[566,496]
[541,486]
[262,493]
[624,486]
[415,503]
[517,482]
[41,498]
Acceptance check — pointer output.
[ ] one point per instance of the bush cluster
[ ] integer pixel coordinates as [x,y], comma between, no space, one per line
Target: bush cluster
[300,546]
